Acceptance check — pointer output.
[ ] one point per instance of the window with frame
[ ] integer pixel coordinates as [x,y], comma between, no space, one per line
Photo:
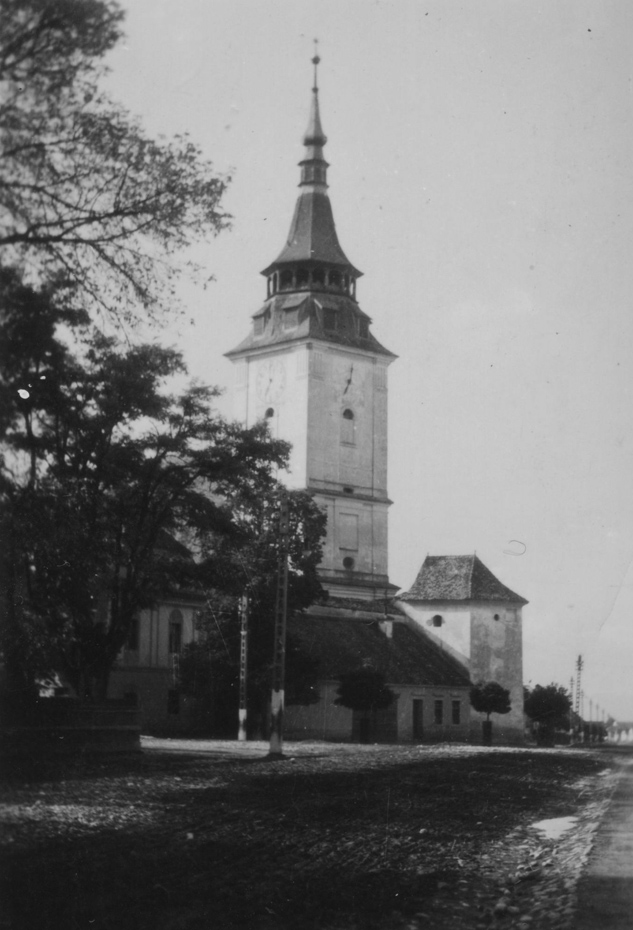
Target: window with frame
[438,711]
[175,632]
[456,712]
[348,531]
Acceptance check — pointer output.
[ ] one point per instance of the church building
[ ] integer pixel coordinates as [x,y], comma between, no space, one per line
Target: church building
[313,369]
[311,366]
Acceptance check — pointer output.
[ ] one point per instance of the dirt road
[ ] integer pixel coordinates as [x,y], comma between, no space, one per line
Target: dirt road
[605,891]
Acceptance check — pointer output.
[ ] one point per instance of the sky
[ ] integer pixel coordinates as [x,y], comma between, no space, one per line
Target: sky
[481,179]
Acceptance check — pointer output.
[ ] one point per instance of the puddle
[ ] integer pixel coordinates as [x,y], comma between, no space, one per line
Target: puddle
[553,829]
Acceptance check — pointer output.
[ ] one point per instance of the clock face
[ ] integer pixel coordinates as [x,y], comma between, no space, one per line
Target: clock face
[271,380]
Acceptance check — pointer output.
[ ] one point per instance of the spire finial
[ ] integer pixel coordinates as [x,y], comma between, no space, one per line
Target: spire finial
[315,62]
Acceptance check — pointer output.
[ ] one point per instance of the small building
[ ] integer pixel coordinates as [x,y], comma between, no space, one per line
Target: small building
[460,606]
[432,688]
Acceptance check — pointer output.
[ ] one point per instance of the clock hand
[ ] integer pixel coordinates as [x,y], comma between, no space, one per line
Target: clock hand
[349,380]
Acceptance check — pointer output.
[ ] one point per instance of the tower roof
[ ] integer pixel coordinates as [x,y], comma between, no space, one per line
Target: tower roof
[458,578]
[312,237]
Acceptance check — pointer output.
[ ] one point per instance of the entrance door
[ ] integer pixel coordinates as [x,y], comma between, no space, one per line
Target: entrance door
[418,718]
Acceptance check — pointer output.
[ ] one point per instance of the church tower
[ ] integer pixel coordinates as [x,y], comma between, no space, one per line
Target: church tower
[313,369]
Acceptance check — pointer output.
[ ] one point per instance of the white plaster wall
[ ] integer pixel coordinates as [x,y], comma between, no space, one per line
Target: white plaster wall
[455,633]
[289,421]
[433,732]
[324,720]
[321,381]
[153,649]
[496,655]
[333,463]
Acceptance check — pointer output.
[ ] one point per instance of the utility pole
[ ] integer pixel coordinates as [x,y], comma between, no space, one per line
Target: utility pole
[571,709]
[279,652]
[579,665]
[241,735]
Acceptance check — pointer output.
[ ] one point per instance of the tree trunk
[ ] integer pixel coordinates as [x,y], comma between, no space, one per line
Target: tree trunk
[486,728]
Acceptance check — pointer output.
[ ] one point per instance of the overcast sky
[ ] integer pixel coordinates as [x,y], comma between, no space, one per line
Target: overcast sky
[481,179]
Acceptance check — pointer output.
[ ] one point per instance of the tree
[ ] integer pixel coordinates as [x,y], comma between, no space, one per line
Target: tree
[83,190]
[364,690]
[103,470]
[209,669]
[489,698]
[549,708]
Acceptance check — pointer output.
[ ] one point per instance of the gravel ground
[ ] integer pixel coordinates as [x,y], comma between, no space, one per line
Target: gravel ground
[210,835]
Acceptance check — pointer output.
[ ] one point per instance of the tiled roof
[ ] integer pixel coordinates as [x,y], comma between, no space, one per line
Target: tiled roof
[458,578]
[312,235]
[407,658]
[310,307]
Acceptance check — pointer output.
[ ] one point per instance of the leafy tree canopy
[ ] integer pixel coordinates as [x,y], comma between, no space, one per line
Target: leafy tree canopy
[104,468]
[548,706]
[83,190]
[490,698]
[364,690]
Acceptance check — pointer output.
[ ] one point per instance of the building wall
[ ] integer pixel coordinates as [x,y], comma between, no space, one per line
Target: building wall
[454,632]
[305,389]
[326,721]
[497,655]
[147,675]
[163,709]
[487,638]
[277,380]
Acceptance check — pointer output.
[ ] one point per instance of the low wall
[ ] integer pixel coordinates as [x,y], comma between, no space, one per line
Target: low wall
[59,726]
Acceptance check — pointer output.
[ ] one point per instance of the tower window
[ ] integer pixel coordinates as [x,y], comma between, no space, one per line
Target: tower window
[270,413]
[285,280]
[347,426]
[303,277]
[318,276]
[437,620]
[348,562]
[335,278]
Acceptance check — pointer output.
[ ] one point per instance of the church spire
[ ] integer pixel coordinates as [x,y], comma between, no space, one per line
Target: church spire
[312,238]
[314,166]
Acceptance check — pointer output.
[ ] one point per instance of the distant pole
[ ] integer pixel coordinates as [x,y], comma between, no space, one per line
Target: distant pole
[279,652]
[579,665]
[571,709]
[241,735]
